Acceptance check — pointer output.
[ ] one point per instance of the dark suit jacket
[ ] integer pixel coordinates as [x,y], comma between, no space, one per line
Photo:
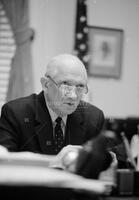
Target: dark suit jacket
[25,125]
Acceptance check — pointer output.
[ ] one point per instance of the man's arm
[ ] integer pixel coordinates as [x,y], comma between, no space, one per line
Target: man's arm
[30,158]
[8,129]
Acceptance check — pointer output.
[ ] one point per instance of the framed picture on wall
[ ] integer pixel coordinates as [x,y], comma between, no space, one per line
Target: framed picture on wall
[105,52]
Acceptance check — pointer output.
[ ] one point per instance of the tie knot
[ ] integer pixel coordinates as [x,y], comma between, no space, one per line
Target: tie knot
[58,120]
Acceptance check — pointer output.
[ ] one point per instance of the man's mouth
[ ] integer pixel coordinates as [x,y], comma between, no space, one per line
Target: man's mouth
[70,104]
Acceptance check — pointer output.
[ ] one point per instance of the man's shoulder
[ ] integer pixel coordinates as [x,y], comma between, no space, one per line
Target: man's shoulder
[22,102]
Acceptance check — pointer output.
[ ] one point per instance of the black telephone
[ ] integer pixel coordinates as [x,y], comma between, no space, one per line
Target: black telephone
[93,158]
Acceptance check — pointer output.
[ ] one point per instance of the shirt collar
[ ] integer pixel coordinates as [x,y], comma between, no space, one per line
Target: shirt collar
[54,115]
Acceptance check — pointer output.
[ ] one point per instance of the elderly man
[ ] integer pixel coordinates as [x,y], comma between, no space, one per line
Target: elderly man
[45,123]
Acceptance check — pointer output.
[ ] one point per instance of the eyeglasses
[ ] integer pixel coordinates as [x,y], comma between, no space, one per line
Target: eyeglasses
[80,89]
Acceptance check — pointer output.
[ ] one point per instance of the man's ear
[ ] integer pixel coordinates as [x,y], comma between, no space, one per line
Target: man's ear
[44,83]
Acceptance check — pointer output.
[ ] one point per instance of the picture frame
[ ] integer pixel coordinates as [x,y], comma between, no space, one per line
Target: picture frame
[105,52]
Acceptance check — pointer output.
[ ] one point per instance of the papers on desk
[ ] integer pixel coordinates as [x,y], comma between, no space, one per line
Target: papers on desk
[26,159]
[34,171]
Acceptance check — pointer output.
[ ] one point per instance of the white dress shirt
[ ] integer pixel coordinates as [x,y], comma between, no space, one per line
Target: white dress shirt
[54,117]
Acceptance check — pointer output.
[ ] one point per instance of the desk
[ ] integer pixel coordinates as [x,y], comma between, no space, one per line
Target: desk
[39,181]
[35,192]
[120,198]
[27,175]
[18,181]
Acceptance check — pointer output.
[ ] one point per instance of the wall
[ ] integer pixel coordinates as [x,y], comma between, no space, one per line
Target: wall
[54,23]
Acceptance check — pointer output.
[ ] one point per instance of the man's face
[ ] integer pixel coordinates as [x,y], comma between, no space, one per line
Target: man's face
[62,94]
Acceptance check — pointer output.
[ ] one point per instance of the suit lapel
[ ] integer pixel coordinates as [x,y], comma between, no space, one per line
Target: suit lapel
[44,128]
[75,128]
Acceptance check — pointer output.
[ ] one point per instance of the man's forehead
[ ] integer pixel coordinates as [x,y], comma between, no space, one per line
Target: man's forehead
[71,78]
[68,66]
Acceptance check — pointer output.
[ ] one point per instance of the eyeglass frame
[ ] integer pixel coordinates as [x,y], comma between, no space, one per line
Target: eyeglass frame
[69,86]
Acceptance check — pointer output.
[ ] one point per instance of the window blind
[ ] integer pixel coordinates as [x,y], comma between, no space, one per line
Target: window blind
[7,51]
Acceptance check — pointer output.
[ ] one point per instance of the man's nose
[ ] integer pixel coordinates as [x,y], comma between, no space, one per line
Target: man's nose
[72,93]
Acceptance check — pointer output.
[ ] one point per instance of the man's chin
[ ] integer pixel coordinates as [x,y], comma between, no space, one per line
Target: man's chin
[69,111]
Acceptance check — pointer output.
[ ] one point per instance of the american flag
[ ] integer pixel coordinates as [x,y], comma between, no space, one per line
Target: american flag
[81,32]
